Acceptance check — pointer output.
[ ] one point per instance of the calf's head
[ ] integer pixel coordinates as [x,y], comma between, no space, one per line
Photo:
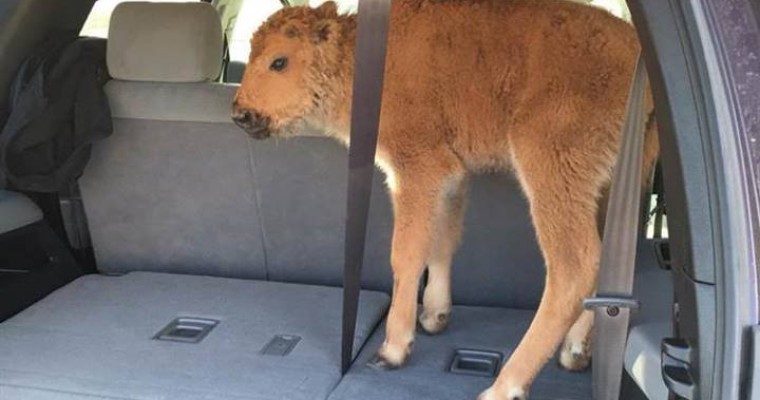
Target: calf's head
[294,56]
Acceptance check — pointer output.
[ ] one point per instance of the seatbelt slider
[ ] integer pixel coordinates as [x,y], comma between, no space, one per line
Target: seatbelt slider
[613,304]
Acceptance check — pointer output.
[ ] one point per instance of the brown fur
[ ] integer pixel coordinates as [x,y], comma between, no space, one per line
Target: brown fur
[535,87]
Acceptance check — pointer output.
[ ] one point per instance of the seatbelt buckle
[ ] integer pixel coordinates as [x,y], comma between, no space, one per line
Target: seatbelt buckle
[612,304]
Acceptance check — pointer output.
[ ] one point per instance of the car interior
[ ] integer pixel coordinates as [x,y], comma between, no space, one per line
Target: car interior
[190,261]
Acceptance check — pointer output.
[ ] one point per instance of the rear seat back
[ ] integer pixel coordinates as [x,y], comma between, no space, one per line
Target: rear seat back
[171,190]
[302,186]
[179,188]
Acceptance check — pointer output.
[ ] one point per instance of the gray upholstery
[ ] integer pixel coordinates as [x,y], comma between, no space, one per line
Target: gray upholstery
[171,190]
[174,197]
[302,185]
[166,101]
[160,101]
[283,198]
[499,263]
[426,376]
[165,42]
[93,339]
[496,329]
[16,211]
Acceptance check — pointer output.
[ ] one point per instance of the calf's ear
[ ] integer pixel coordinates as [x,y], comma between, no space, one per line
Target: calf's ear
[324,30]
[292,30]
[328,9]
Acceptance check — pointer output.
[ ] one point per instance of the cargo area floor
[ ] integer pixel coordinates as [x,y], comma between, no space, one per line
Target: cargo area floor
[427,374]
[94,339]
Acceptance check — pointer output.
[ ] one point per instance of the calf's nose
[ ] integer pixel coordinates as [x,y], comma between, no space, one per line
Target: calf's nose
[242,118]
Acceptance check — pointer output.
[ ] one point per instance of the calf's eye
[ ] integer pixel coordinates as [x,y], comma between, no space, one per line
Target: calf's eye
[279,64]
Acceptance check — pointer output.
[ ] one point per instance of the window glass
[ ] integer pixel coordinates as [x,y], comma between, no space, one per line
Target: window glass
[100,16]
[255,12]
[252,14]
[618,8]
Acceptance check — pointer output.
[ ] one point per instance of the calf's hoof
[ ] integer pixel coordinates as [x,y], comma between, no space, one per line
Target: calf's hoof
[391,357]
[575,356]
[511,394]
[433,322]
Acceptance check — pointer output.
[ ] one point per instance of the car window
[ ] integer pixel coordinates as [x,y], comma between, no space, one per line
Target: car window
[618,8]
[97,21]
[252,14]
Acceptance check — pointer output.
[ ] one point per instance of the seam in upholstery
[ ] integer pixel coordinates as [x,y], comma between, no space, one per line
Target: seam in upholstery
[43,389]
[257,204]
[108,396]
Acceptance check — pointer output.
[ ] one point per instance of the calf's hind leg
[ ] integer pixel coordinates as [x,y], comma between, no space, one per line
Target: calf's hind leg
[436,302]
[418,202]
[575,354]
[563,209]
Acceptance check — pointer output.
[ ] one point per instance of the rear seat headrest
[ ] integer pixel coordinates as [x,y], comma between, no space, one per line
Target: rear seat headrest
[165,42]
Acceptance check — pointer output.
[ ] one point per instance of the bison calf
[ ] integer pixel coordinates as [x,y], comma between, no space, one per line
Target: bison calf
[535,87]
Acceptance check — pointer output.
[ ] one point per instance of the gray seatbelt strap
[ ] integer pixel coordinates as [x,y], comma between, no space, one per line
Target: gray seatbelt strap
[73,216]
[614,302]
[369,68]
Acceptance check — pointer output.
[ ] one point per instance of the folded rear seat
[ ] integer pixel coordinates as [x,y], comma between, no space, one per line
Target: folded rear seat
[496,331]
[172,201]
[94,339]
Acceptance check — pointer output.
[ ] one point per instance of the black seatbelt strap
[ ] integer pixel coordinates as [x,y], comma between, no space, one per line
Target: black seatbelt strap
[369,66]
[614,302]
